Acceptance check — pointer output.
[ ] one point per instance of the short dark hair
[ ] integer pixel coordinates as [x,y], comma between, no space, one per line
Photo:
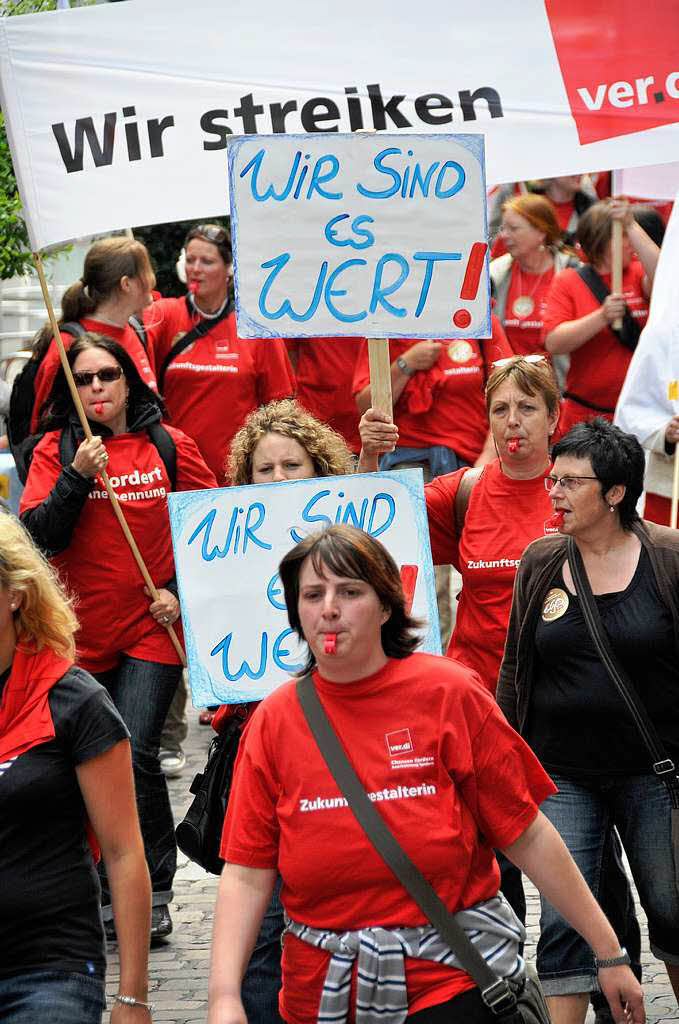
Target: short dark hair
[58,409]
[348,551]
[616,457]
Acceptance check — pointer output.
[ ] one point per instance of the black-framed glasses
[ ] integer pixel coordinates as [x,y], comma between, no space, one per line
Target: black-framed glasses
[106,375]
[569,483]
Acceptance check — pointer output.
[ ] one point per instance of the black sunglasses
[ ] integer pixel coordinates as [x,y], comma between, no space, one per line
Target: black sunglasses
[105,376]
[212,232]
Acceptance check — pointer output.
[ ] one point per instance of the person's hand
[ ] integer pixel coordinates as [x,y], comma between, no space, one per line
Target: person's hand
[620,209]
[624,994]
[4,441]
[423,355]
[378,433]
[91,457]
[226,1010]
[672,430]
[166,609]
[121,1014]
[613,307]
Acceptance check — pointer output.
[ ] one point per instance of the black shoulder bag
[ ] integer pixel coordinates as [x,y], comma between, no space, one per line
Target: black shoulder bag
[199,835]
[628,335]
[663,766]
[199,331]
[526,1006]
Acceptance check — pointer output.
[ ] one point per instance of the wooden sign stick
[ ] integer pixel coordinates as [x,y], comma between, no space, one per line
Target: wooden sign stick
[675,489]
[115,504]
[380,376]
[616,265]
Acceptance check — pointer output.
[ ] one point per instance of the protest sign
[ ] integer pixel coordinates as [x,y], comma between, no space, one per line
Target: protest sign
[119,114]
[380,235]
[228,544]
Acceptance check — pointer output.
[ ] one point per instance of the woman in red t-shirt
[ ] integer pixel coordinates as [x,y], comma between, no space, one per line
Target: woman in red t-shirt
[116,285]
[210,385]
[444,765]
[576,323]
[123,639]
[521,278]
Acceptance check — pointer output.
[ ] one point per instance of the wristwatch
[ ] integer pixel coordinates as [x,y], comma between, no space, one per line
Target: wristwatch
[403,367]
[615,961]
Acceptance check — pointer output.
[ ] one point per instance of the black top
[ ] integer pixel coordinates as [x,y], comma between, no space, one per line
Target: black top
[50,918]
[578,724]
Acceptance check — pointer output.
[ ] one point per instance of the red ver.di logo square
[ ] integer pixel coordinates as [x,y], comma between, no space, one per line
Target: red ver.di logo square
[620,64]
[399,742]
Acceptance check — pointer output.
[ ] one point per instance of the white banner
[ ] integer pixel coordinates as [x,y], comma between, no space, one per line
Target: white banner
[382,234]
[228,544]
[118,114]
[658,183]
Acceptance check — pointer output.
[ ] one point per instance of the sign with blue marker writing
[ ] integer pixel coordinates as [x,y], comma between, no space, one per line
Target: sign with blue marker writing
[377,235]
[228,544]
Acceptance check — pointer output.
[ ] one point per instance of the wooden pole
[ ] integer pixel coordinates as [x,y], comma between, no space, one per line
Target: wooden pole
[380,376]
[115,504]
[616,266]
[675,489]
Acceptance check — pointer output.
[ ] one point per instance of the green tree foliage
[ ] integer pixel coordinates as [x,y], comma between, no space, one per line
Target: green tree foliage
[15,256]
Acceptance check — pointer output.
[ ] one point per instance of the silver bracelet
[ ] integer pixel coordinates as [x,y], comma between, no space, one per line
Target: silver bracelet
[615,961]
[131,1001]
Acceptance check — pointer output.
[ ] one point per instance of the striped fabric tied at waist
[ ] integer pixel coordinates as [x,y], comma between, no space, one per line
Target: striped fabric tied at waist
[381,993]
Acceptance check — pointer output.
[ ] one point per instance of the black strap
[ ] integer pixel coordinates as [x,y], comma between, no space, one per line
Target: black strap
[663,766]
[629,334]
[497,993]
[588,405]
[199,331]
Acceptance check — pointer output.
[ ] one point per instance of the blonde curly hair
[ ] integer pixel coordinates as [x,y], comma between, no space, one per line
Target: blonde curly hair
[326,448]
[45,615]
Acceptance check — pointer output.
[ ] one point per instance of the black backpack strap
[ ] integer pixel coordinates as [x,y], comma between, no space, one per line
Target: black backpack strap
[167,450]
[199,331]
[629,335]
[139,329]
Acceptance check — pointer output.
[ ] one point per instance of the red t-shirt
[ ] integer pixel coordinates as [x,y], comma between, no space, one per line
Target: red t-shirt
[525,309]
[212,385]
[597,369]
[456,416]
[325,370]
[126,337]
[503,517]
[445,765]
[98,566]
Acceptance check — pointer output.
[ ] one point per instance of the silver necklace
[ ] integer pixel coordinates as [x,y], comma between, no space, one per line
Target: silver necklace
[209,316]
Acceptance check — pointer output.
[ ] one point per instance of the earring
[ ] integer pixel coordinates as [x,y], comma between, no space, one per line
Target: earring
[611,508]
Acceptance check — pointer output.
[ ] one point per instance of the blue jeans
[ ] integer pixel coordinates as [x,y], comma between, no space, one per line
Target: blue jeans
[60,997]
[262,980]
[142,691]
[583,811]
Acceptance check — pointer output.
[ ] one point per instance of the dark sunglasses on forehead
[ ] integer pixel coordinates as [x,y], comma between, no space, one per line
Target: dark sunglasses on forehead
[212,232]
[105,376]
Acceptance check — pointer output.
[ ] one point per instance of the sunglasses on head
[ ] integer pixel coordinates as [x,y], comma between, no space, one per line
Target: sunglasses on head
[212,232]
[105,376]
[533,357]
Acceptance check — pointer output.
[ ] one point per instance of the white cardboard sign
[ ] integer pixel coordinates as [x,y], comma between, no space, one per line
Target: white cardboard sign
[369,234]
[228,544]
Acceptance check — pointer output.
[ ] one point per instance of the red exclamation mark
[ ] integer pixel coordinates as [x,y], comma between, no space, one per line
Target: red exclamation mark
[470,286]
[408,580]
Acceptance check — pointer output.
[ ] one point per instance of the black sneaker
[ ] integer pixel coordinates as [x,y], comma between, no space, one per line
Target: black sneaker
[161,923]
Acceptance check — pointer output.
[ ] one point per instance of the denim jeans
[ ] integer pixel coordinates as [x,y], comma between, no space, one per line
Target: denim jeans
[262,980]
[584,811]
[142,691]
[60,997]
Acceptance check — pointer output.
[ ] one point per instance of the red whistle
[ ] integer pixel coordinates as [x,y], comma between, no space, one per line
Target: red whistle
[331,643]
[193,287]
[555,521]
[513,445]
[98,408]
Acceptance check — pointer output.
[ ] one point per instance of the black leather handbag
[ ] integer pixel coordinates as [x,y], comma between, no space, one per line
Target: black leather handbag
[199,834]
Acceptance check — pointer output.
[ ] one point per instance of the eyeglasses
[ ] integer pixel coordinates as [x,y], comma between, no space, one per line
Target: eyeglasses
[106,375]
[569,483]
[212,232]
[533,357]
